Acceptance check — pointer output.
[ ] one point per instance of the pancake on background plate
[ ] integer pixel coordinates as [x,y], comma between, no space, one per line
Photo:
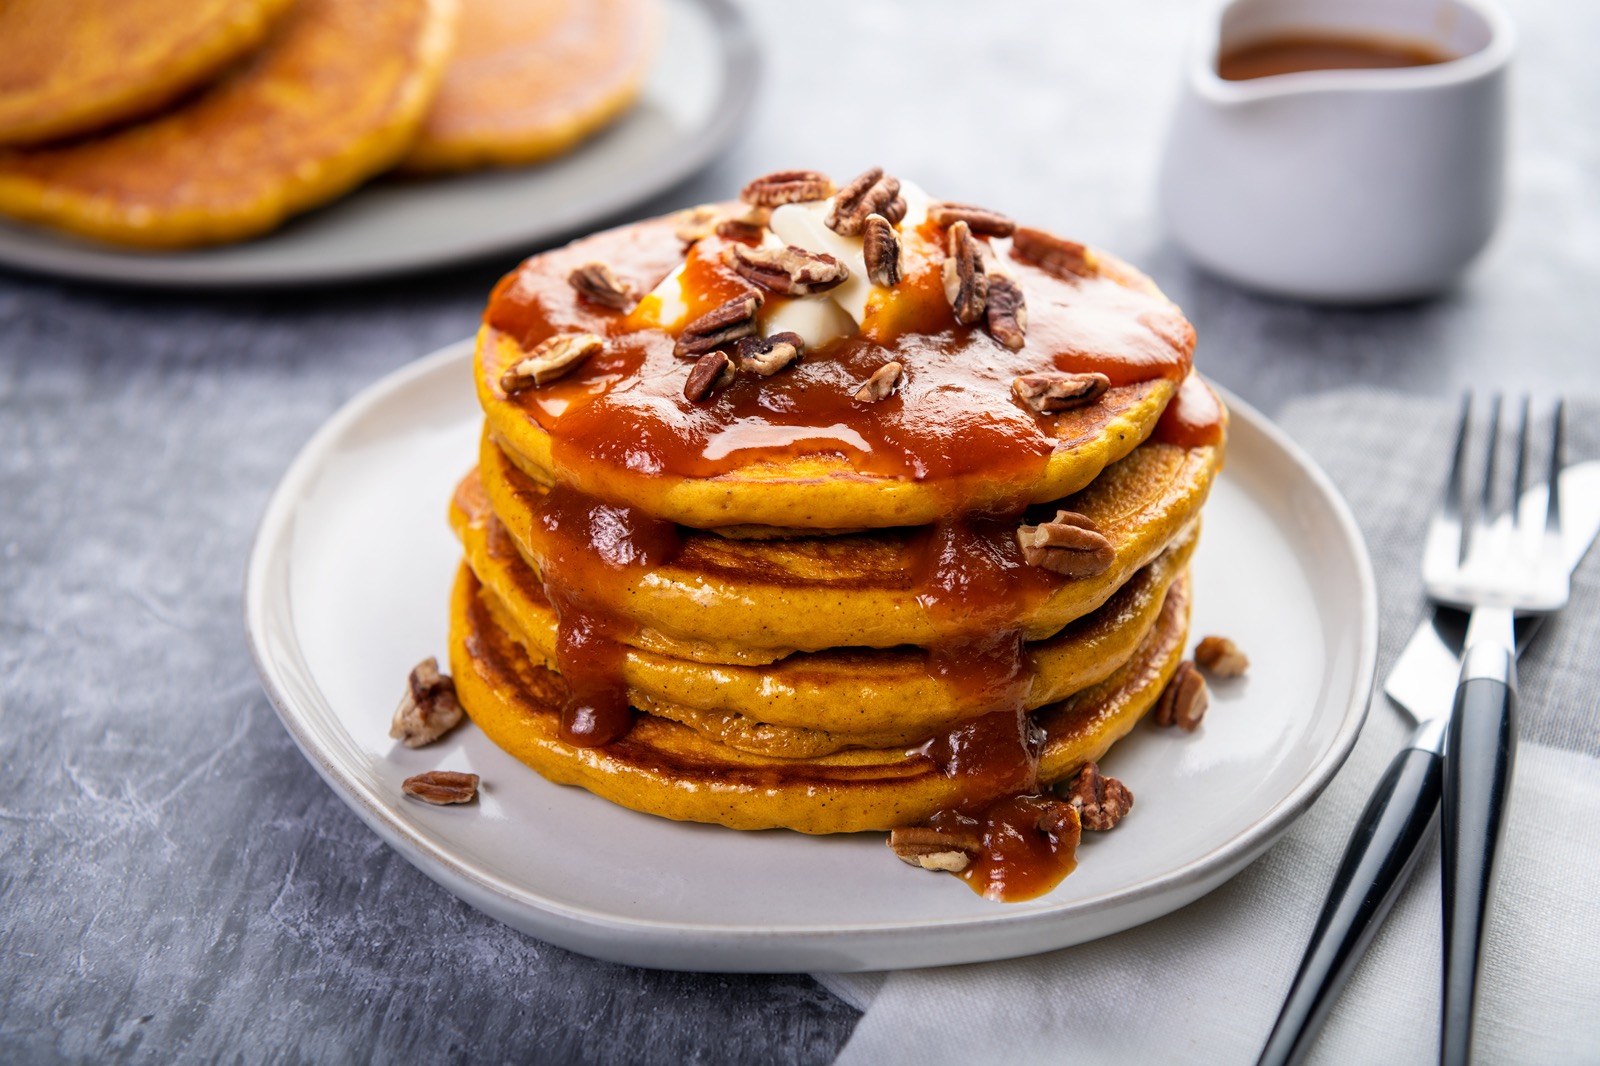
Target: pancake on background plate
[529,79]
[838,509]
[68,67]
[335,95]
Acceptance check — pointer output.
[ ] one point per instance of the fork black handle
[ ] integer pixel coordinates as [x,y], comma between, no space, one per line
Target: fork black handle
[1478,758]
[1378,861]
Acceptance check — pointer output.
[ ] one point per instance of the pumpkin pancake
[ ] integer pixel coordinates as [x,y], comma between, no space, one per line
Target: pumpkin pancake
[714,599]
[798,449]
[335,95]
[530,78]
[68,67]
[813,704]
[664,768]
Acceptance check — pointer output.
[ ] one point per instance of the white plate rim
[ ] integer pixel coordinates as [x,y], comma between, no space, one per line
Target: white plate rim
[42,252]
[652,942]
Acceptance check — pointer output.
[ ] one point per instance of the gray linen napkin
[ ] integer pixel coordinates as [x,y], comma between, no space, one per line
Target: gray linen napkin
[1204,984]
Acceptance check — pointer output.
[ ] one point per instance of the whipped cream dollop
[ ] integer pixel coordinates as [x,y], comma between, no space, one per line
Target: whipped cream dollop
[819,317]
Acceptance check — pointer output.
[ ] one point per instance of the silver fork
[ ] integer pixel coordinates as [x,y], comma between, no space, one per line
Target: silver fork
[1498,566]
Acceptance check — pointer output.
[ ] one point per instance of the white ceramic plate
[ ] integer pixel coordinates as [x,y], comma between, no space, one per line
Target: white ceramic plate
[694,99]
[347,590]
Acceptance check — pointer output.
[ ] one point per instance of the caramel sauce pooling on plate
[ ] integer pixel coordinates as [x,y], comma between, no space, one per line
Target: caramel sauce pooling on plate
[1291,53]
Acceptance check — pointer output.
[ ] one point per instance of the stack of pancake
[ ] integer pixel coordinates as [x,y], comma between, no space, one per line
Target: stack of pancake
[797,599]
[163,125]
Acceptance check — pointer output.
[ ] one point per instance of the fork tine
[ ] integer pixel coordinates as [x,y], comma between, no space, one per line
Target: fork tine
[1558,447]
[1520,485]
[1453,506]
[1484,517]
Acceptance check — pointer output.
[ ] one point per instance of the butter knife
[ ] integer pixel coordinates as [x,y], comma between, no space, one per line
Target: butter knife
[1403,811]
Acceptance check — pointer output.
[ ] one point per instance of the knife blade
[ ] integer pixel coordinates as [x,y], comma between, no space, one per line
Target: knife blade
[1403,811]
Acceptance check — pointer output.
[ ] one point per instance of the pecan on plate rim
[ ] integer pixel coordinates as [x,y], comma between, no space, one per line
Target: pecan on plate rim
[1220,657]
[1184,701]
[429,709]
[441,787]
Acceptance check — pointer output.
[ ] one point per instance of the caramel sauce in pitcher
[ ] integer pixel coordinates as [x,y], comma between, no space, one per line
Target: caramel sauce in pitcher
[1290,53]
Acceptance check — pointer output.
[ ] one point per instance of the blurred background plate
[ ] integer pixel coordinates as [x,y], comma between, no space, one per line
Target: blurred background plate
[697,94]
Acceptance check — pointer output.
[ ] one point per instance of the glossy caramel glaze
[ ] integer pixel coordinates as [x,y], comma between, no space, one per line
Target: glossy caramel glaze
[952,427]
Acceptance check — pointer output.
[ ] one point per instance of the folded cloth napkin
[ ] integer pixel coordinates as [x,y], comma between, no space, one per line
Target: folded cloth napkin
[1205,984]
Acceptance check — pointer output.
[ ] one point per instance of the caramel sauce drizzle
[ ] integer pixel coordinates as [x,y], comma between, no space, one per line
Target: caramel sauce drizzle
[953,416]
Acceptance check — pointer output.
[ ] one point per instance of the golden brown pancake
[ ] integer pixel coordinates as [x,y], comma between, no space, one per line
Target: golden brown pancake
[664,768]
[335,95]
[953,437]
[68,67]
[531,78]
[818,703]
[736,601]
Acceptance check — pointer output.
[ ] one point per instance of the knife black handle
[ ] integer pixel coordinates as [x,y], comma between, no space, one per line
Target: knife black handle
[1477,776]
[1379,859]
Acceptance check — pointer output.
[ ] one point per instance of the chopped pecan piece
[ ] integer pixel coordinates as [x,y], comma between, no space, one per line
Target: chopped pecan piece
[788,187]
[1100,801]
[747,230]
[596,283]
[966,284]
[934,849]
[441,787]
[695,223]
[550,360]
[768,355]
[1050,391]
[1184,701]
[881,384]
[872,192]
[1069,544]
[429,709]
[789,270]
[981,219]
[1006,312]
[1066,260]
[729,322]
[880,247]
[712,371]
[1220,657]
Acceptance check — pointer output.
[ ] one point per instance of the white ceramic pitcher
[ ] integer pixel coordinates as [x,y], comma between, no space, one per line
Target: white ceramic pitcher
[1342,186]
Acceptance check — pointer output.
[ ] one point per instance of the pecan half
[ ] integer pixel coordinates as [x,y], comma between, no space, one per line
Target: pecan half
[880,247]
[934,849]
[695,223]
[1184,701]
[1069,544]
[1066,260]
[728,322]
[789,270]
[429,709]
[966,284]
[981,219]
[881,384]
[768,355]
[712,371]
[1006,312]
[550,360]
[596,283]
[441,787]
[1101,801]
[1220,657]
[1050,391]
[872,192]
[787,187]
